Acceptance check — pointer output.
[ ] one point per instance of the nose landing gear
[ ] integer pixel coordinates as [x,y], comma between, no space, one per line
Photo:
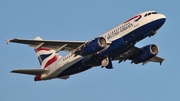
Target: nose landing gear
[153,33]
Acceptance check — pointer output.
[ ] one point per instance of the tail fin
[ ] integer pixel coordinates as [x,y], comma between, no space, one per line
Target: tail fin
[46,56]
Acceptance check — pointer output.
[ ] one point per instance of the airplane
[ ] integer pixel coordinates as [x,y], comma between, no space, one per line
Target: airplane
[117,44]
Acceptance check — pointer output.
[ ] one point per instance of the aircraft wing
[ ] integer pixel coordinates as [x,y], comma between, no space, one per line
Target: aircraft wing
[30,71]
[53,44]
[130,54]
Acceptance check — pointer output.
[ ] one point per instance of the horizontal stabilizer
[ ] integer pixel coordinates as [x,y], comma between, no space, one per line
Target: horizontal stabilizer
[30,71]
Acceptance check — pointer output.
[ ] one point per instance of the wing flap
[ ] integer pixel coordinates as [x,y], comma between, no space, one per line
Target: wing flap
[30,71]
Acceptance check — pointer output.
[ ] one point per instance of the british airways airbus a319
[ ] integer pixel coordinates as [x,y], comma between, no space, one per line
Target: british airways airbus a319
[117,44]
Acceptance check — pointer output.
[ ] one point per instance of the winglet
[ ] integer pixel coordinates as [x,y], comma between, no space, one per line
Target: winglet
[161,62]
[7,41]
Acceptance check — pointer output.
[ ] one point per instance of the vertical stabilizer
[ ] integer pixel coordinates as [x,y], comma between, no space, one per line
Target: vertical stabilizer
[46,56]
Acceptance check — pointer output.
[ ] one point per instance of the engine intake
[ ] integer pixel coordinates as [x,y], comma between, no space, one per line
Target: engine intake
[154,49]
[145,53]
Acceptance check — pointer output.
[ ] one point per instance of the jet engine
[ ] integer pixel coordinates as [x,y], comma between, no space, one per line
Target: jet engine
[145,53]
[92,47]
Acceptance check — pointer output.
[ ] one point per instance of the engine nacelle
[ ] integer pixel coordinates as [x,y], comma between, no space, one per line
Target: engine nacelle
[145,53]
[93,46]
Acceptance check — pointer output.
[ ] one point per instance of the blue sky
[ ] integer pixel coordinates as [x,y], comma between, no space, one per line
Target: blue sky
[84,20]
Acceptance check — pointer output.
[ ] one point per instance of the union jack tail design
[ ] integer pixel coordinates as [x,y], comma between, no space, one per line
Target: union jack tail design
[46,56]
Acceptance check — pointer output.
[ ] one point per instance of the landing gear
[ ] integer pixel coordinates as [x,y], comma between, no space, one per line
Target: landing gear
[107,63]
[153,33]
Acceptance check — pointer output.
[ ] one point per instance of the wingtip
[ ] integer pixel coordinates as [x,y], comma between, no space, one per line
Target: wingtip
[7,42]
[13,71]
[161,62]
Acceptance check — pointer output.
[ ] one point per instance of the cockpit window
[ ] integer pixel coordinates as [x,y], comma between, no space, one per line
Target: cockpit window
[154,13]
[147,14]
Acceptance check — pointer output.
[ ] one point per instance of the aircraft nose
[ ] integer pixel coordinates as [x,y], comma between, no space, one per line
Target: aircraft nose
[163,19]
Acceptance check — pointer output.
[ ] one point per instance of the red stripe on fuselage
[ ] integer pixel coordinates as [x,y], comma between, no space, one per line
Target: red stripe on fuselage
[132,18]
[51,61]
[39,49]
